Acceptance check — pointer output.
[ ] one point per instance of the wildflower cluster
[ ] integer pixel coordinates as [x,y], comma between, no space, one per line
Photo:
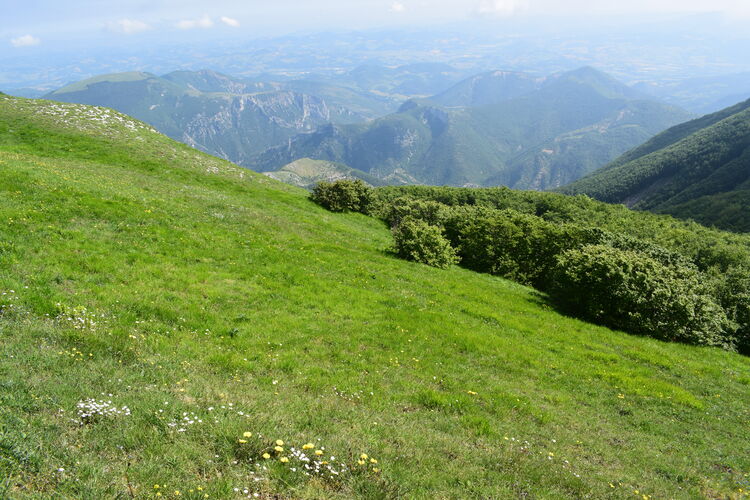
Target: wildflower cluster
[310,460]
[79,317]
[8,302]
[186,420]
[91,410]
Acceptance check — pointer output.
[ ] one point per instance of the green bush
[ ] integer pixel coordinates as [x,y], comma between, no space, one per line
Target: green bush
[343,196]
[734,295]
[420,242]
[517,246]
[628,290]
[431,212]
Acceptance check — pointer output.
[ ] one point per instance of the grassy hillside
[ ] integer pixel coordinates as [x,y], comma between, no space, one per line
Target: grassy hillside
[305,173]
[211,302]
[696,170]
[507,130]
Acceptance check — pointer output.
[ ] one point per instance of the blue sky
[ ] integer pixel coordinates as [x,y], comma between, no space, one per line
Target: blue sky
[31,23]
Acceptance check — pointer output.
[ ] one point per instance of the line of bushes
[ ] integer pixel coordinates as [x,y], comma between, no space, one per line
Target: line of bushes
[603,276]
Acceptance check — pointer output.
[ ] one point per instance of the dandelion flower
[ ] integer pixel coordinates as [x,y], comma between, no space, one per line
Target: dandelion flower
[308,446]
[266,456]
[373,461]
[279,449]
[279,442]
[361,462]
[363,456]
[247,434]
[318,452]
[283,460]
[243,441]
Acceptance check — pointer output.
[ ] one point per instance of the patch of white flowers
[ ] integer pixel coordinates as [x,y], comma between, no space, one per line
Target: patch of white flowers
[8,301]
[91,410]
[78,317]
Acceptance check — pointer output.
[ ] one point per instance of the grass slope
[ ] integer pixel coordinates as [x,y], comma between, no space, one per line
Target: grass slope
[306,173]
[221,297]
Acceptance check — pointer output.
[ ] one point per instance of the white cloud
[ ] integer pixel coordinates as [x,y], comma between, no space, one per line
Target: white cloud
[129,26]
[25,41]
[203,22]
[234,23]
[397,7]
[502,8]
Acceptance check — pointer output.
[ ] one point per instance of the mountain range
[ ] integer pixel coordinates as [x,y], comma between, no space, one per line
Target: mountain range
[496,128]
[221,115]
[698,170]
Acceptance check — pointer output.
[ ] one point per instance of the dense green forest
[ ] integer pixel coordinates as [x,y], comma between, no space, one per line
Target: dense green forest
[698,170]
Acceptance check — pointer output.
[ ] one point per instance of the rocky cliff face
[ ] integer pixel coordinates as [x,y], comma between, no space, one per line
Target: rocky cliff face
[238,126]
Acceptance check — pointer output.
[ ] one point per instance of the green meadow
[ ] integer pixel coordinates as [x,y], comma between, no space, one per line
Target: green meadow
[209,312]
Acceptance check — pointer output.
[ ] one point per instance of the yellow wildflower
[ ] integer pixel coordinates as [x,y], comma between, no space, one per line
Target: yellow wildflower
[373,461]
[279,442]
[266,456]
[247,434]
[279,449]
[318,452]
[243,441]
[283,460]
[363,456]
[361,462]
[308,446]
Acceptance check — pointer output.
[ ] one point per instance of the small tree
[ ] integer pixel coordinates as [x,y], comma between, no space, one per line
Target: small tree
[420,242]
[343,195]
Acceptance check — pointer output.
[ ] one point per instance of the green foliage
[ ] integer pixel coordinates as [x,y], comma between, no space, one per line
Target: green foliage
[734,296]
[507,243]
[421,242]
[521,236]
[343,195]
[431,212]
[628,290]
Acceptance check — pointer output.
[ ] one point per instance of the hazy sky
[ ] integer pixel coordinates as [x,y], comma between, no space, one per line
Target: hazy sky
[28,23]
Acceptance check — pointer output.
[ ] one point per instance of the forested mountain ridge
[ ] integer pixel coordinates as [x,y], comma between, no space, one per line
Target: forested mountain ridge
[698,170]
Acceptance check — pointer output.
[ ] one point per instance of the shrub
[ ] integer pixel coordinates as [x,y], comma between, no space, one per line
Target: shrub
[630,291]
[431,212]
[343,195]
[507,243]
[418,241]
[734,295]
